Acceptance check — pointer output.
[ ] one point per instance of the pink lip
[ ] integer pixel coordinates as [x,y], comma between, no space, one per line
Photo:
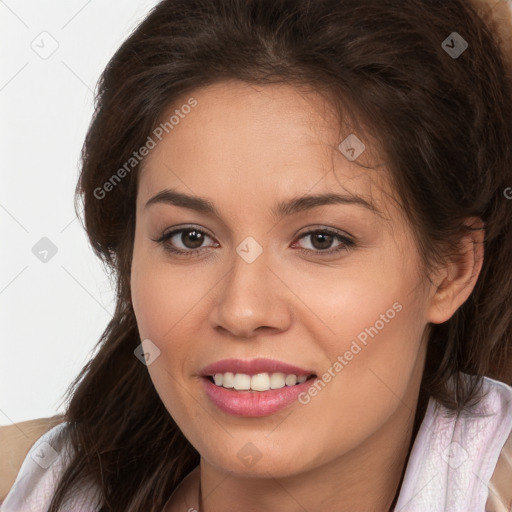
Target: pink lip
[253,367]
[254,403]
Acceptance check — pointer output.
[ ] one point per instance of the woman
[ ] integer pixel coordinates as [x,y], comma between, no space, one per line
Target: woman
[305,208]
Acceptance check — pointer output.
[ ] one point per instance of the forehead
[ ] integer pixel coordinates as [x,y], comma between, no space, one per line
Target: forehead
[260,141]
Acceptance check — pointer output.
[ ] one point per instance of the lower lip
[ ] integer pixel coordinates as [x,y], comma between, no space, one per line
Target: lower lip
[254,403]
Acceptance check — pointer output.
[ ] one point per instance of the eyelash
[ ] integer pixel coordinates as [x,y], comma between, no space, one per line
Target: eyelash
[346,243]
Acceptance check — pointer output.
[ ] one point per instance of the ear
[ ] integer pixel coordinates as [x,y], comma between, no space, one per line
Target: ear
[454,282]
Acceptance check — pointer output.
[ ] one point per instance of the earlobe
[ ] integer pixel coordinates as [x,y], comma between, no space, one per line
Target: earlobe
[457,279]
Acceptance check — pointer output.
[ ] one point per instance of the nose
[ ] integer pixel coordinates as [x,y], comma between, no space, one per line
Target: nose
[250,299]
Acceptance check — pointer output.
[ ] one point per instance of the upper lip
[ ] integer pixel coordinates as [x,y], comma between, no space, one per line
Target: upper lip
[253,367]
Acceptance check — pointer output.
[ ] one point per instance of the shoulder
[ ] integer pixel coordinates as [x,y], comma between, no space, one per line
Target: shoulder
[495,411]
[500,484]
[40,473]
[454,457]
[15,443]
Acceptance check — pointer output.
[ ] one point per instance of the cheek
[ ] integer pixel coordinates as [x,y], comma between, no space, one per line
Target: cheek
[375,361]
[166,302]
[161,313]
[163,295]
[368,324]
[336,304]
[151,297]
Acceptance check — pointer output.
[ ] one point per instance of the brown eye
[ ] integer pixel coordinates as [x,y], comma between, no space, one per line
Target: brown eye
[321,241]
[192,238]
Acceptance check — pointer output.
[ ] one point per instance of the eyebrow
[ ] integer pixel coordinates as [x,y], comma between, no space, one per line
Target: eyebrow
[282,209]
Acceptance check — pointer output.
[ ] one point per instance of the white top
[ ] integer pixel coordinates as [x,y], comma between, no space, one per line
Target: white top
[452,460]
[449,468]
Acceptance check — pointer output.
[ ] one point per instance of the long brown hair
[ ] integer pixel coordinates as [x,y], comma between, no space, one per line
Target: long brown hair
[444,123]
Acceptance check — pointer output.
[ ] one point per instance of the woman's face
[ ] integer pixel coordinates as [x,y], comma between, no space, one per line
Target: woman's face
[351,310]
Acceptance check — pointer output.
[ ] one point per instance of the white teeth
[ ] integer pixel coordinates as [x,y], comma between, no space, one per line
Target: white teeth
[228,380]
[258,382]
[242,381]
[291,380]
[277,380]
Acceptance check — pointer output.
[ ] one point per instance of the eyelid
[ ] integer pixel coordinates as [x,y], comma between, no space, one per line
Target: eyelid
[320,227]
[167,232]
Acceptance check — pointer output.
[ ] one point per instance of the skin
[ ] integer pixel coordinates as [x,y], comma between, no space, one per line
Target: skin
[245,148]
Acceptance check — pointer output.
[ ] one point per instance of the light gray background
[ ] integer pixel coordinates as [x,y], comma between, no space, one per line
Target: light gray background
[52,313]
